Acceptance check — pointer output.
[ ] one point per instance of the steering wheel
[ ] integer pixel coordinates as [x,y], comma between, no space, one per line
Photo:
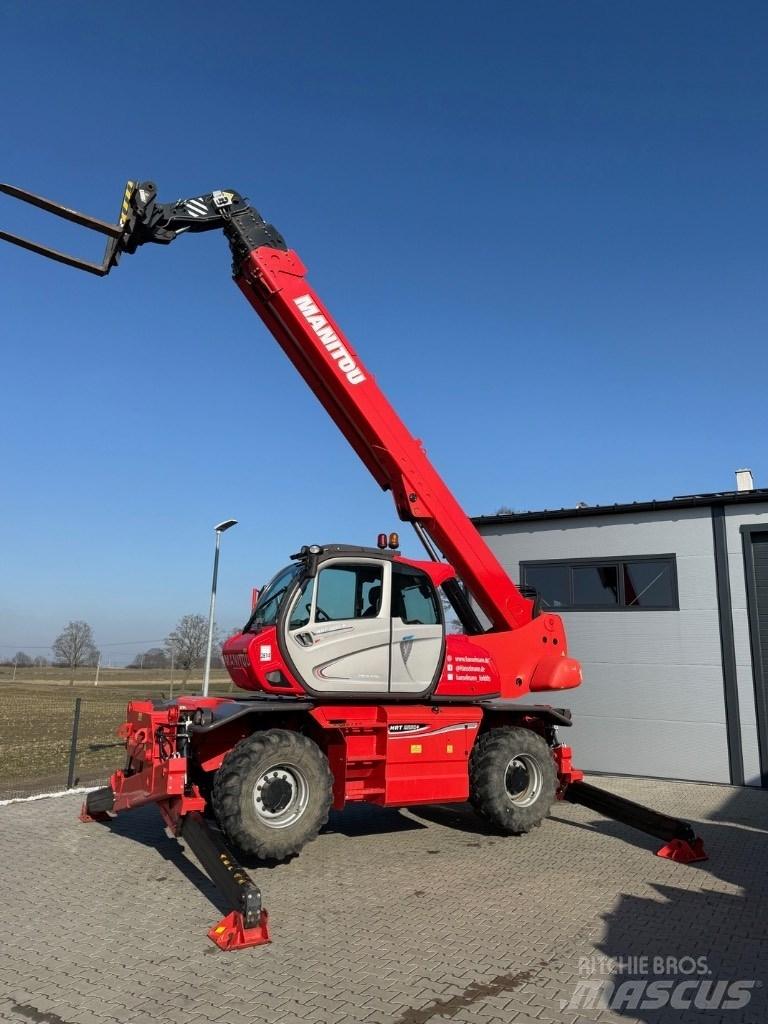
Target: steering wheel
[319,612]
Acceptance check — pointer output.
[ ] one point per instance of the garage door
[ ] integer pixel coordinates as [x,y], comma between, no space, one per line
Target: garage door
[756,555]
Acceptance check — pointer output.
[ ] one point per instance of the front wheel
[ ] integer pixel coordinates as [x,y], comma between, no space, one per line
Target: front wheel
[512,778]
[273,793]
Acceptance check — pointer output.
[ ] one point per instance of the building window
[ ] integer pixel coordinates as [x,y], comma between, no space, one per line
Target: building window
[595,586]
[643,582]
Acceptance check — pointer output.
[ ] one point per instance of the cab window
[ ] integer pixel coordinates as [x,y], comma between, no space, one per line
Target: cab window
[348,592]
[413,597]
[302,609]
[271,599]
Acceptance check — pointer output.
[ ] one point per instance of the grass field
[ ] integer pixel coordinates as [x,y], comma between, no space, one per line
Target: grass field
[36,727]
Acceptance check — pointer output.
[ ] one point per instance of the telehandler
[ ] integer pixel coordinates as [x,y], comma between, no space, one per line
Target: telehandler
[353,688]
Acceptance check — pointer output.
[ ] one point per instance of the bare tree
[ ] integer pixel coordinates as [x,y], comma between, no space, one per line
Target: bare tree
[41,662]
[155,657]
[74,647]
[22,659]
[189,641]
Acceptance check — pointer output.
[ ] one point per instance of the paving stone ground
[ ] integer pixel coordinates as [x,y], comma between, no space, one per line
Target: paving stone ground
[420,916]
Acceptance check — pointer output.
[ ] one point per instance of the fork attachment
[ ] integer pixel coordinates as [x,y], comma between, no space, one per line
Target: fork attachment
[114,232]
[143,219]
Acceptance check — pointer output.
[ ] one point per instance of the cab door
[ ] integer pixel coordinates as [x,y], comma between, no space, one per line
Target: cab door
[338,629]
[417,631]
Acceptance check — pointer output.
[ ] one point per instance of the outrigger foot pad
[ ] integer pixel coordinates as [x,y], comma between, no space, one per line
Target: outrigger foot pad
[231,933]
[683,851]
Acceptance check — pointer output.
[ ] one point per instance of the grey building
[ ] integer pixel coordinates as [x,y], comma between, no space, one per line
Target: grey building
[666,605]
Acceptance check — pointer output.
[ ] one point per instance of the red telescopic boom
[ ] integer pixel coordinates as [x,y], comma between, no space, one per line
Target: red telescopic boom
[274,283]
[272,279]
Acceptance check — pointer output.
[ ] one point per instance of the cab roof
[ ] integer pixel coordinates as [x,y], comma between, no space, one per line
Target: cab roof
[328,550]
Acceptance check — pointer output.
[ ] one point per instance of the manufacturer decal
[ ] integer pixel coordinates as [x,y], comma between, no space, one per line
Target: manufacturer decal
[323,630]
[406,646]
[237,660]
[265,652]
[330,339]
[401,729]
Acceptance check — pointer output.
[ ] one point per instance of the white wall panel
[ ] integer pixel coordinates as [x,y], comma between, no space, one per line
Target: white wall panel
[652,701]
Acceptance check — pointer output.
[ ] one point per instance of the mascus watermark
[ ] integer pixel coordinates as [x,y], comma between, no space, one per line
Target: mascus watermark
[654,982]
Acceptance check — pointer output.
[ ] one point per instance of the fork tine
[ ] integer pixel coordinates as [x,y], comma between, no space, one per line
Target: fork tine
[54,254]
[102,226]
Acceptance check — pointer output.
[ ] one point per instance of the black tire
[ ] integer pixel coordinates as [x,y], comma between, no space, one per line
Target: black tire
[273,793]
[512,778]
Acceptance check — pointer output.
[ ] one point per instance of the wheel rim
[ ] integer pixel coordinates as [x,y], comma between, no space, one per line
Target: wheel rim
[523,780]
[280,795]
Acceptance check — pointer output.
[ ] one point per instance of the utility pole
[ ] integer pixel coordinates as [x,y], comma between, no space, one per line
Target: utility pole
[221,528]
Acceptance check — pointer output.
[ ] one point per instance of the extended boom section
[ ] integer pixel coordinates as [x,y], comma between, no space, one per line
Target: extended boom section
[273,280]
[274,283]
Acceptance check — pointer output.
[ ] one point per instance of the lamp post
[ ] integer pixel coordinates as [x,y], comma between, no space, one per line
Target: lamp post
[221,528]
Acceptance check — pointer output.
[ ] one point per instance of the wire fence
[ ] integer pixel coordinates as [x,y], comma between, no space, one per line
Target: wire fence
[100,676]
[52,741]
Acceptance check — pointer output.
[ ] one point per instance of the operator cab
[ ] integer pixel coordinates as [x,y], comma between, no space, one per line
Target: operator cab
[355,621]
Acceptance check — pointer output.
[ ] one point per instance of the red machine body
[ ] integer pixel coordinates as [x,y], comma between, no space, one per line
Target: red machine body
[391,755]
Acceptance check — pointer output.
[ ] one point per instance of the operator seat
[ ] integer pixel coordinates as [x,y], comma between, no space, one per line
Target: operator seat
[374,602]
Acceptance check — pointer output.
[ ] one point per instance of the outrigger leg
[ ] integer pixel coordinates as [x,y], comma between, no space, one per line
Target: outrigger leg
[681,844]
[247,924]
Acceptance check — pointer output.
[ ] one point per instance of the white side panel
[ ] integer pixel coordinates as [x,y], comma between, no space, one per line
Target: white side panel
[416,652]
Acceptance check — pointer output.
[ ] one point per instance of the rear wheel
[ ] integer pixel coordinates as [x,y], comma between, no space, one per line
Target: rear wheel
[512,778]
[273,793]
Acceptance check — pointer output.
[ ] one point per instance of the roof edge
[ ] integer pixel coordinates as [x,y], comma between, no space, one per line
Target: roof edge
[665,504]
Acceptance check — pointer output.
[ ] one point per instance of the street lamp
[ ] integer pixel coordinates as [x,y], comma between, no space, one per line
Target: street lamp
[221,528]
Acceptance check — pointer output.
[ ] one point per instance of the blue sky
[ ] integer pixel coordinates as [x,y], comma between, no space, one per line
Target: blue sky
[541,225]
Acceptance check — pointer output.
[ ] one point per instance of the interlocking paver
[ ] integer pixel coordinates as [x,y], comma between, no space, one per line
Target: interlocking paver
[413,917]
